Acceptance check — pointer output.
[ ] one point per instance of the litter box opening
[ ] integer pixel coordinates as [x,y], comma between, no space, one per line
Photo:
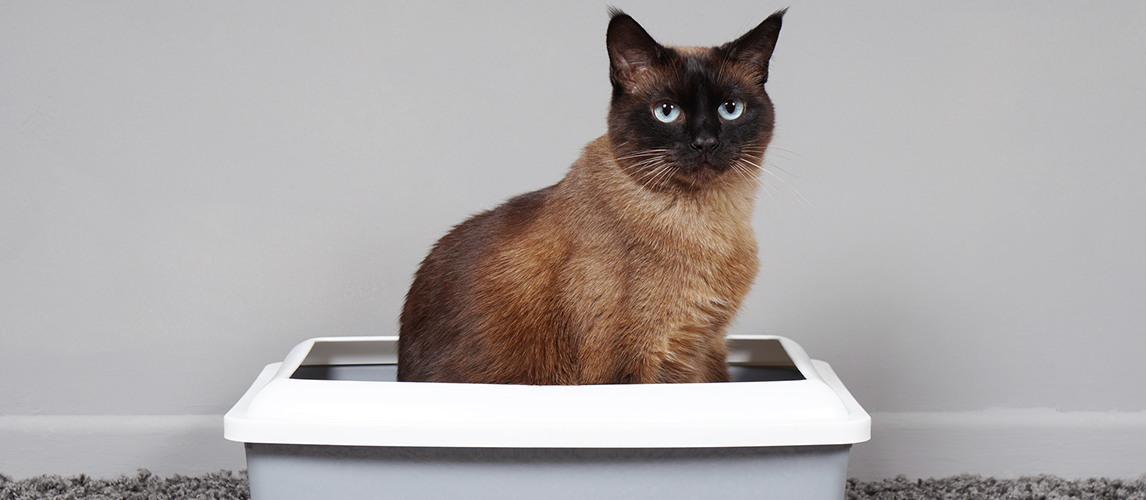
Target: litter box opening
[370,361]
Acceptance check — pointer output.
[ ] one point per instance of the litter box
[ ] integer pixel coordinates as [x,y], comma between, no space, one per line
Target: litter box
[331,422]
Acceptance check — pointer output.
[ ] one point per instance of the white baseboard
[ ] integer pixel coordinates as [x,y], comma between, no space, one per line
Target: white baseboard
[1001,443]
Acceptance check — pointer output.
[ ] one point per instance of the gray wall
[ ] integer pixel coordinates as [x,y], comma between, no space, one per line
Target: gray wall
[189,189]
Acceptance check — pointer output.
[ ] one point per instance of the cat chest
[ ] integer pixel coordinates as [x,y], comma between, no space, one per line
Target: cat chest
[661,283]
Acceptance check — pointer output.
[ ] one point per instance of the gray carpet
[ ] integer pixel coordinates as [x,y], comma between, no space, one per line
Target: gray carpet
[976,487]
[225,485]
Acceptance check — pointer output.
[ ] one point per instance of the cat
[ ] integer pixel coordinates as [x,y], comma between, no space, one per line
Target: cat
[630,268]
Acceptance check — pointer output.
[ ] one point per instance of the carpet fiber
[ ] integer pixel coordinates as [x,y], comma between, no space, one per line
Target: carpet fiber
[226,485]
[223,485]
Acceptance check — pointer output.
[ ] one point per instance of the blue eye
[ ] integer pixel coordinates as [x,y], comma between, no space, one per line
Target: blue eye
[666,112]
[730,110]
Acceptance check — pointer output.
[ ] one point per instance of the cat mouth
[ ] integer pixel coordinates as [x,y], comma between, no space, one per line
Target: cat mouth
[700,172]
[688,172]
[707,164]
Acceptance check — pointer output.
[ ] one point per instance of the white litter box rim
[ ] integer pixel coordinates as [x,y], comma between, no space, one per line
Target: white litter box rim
[280,410]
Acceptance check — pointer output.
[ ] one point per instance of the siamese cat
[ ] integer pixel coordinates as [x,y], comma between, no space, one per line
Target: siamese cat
[630,268]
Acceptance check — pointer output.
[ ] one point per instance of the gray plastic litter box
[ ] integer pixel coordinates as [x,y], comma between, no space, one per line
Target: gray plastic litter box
[331,422]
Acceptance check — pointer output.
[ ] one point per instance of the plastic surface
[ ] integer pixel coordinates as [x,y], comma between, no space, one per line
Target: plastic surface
[301,472]
[279,409]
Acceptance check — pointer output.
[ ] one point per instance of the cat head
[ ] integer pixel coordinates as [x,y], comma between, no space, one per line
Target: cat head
[684,117]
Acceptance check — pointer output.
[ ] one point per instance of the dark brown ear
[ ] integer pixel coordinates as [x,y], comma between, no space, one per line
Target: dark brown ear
[756,46]
[631,50]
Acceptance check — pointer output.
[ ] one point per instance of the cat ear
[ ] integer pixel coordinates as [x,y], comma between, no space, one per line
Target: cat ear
[631,50]
[756,46]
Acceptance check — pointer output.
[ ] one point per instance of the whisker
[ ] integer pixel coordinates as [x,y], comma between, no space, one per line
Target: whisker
[797,196]
[744,172]
[646,152]
[660,171]
[650,167]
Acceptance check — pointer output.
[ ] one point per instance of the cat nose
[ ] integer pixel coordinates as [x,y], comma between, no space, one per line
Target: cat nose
[704,143]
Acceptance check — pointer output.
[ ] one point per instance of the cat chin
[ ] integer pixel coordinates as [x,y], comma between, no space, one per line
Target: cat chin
[701,175]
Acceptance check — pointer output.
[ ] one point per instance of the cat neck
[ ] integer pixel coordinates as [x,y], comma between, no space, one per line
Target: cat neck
[718,214]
